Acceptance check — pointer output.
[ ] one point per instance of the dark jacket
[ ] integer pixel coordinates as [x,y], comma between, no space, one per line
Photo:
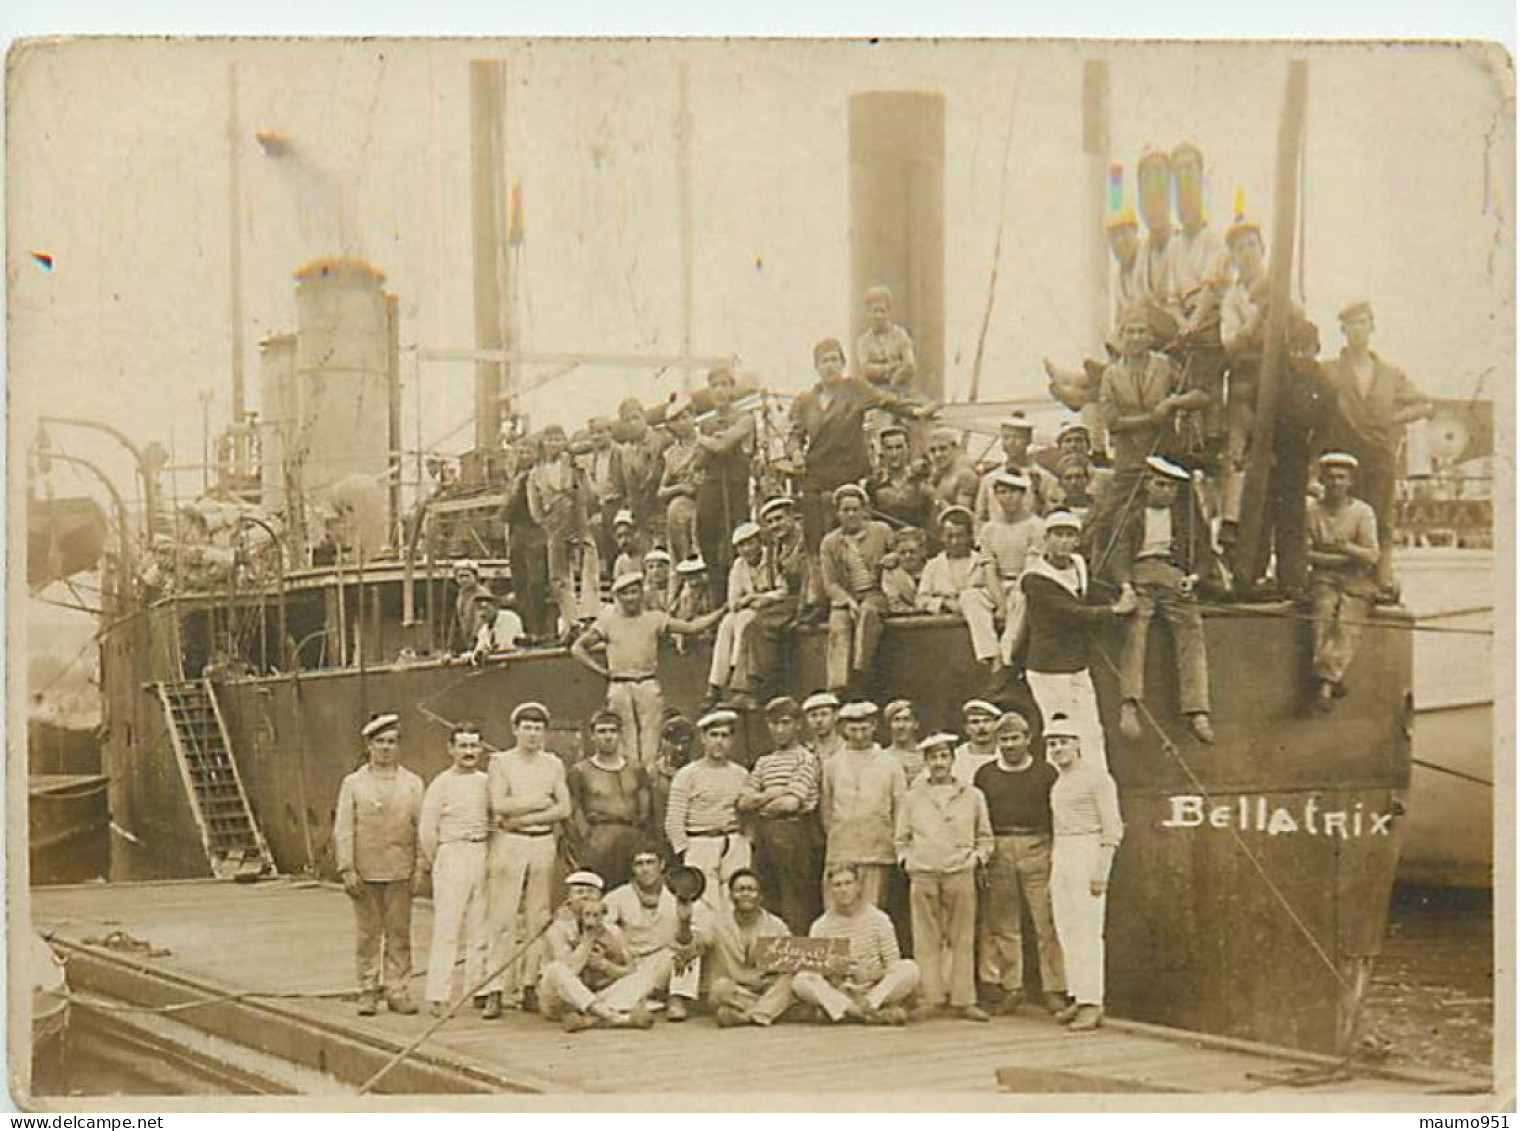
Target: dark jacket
[1058,620]
[1192,550]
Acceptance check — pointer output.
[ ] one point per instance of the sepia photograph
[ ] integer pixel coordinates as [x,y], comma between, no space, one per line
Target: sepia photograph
[857,573]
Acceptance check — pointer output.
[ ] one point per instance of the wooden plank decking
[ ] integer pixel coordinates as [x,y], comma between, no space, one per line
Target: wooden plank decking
[293,938]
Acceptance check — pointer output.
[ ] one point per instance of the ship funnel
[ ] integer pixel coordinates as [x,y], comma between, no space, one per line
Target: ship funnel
[897,218]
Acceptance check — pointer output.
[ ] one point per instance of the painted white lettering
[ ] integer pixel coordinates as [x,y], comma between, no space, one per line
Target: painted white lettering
[1261,814]
[1187,812]
[1356,820]
[1281,823]
[1380,823]
[1310,808]
[1219,816]
[1336,822]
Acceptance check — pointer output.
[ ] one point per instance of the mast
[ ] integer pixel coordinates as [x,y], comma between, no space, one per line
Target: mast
[683,186]
[488,200]
[1095,145]
[235,249]
[1290,134]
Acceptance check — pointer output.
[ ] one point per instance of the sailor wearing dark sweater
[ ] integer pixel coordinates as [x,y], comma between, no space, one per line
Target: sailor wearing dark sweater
[1055,593]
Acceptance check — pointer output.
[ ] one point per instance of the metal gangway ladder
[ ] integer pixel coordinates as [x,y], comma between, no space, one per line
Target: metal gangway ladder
[235,848]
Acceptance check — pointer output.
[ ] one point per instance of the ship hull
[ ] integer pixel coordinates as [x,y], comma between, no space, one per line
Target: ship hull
[1229,913]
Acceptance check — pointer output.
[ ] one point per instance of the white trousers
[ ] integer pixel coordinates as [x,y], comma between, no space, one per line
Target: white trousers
[559,987]
[640,705]
[898,982]
[459,905]
[729,667]
[717,858]
[519,874]
[986,642]
[1072,694]
[1079,915]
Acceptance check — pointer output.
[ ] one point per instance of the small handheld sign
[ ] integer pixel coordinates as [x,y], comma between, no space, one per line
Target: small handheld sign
[792,955]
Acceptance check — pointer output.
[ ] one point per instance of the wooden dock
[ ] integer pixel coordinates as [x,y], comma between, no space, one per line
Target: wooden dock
[263,967]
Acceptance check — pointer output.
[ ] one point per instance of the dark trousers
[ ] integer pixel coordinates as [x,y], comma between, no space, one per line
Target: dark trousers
[721,506]
[1286,492]
[529,558]
[766,643]
[789,859]
[383,922]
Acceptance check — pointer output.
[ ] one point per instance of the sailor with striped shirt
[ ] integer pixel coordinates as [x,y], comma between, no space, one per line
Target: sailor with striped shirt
[702,818]
[781,798]
[876,979]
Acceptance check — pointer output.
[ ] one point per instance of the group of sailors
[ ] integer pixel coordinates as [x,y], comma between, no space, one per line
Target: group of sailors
[872,512]
[931,846]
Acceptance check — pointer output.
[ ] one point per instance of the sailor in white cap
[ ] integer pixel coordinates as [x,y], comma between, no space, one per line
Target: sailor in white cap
[375,843]
[630,635]
[612,993]
[1084,809]
[860,793]
[850,561]
[627,543]
[680,477]
[453,834]
[693,595]
[702,816]
[1059,617]
[1343,557]
[1015,434]
[659,579]
[497,629]
[529,799]
[1160,551]
[820,711]
[981,719]
[729,670]
[944,837]
[790,577]
[1011,535]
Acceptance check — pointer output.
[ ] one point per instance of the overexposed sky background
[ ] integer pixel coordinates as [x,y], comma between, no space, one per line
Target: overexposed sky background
[118,169]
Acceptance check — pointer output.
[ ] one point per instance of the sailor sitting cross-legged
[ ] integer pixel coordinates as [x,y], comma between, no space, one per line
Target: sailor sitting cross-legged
[657,928]
[590,977]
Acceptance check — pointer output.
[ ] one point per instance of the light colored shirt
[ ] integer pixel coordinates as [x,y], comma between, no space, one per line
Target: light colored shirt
[646,929]
[1010,544]
[1328,530]
[968,762]
[1195,261]
[859,797]
[1130,389]
[501,634]
[633,643]
[514,773]
[1156,537]
[375,827]
[456,807]
[885,358]
[704,798]
[1085,802]
[733,946]
[794,769]
[944,580]
[911,760]
[873,939]
[943,829]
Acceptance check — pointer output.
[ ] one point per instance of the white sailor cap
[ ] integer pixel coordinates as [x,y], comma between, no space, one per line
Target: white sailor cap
[721,717]
[941,738]
[820,699]
[1072,426]
[847,491]
[1015,479]
[895,708]
[1016,423]
[691,565]
[1162,466]
[530,710]
[746,531]
[1062,520]
[623,518]
[779,503]
[585,880]
[624,580]
[858,709]
[958,511]
[657,555]
[980,707]
[1060,726]
[379,724]
[467,565]
[1339,459]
